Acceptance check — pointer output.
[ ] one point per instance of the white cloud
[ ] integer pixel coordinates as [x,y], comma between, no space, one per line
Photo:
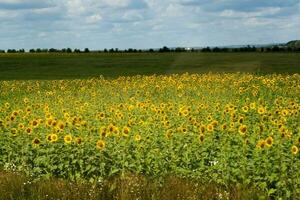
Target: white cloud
[257,13]
[132,15]
[75,7]
[117,3]
[94,19]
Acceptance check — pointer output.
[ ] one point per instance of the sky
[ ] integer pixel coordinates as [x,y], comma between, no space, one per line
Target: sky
[99,24]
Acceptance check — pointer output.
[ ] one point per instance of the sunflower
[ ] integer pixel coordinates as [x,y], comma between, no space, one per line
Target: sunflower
[241,120]
[66,115]
[298,139]
[242,129]
[54,123]
[245,109]
[68,139]
[284,112]
[201,138]
[261,110]
[168,134]
[54,137]
[15,113]
[215,123]
[261,144]
[202,128]
[60,125]
[269,141]
[210,128]
[224,127]
[183,129]
[35,123]
[48,138]
[100,144]
[78,140]
[36,142]
[137,137]
[101,115]
[294,150]
[14,132]
[103,131]
[111,128]
[12,118]
[20,126]
[28,130]
[126,131]
[209,118]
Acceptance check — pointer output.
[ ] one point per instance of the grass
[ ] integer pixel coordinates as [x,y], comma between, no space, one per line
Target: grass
[70,66]
[130,186]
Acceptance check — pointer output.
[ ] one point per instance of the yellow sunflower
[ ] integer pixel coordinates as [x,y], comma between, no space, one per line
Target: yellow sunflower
[294,150]
[100,144]
[68,139]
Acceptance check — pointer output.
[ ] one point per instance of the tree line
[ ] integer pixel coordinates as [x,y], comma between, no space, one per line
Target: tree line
[161,50]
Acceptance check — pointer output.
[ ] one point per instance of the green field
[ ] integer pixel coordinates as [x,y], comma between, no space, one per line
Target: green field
[69,66]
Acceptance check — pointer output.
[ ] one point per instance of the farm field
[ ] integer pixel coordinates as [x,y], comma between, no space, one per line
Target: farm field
[205,136]
[70,66]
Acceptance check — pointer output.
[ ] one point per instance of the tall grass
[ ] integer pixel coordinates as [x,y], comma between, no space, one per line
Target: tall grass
[128,186]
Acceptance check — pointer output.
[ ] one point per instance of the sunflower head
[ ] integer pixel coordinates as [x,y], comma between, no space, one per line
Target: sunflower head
[126,131]
[36,142]
[78,140]
[201,138]
[168,134]
[269,141]
[100,144]
[137,137]
[243,129]
[14,132]
[68,139]
[54,137]
[294,150]
[210,128]
[261,144]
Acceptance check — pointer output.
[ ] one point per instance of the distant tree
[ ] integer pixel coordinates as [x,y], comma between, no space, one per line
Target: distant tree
[111,50]
[2,51]
[216,49]
[38,50]
[86,50]
[52,50]
[151,50]
[105,50]
[164,49]
[11,51]
[140,50]
[275,48]
[77,51]
[179,49]
[32,51]
[21,51]
[289,49]
[207,49]
[69,50]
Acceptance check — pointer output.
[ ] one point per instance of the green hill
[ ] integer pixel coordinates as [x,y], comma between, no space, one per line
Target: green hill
[293,44]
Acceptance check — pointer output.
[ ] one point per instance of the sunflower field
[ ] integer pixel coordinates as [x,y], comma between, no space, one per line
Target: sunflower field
[224,129]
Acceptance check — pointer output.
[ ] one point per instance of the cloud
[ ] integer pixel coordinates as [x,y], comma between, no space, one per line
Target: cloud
[94,19]
[99,24]
[23,4]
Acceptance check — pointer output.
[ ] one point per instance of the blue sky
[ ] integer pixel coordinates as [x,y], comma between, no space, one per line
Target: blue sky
[99,24]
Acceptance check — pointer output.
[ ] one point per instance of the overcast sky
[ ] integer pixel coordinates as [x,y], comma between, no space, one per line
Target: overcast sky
[99,24]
